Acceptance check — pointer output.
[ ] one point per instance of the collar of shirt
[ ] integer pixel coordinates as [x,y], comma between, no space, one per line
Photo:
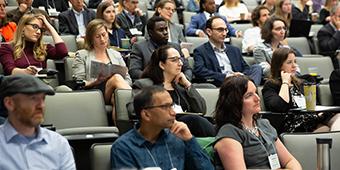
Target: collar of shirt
[333,26]
[208,15]
[221,50]
[140,140]
[130,15]
[78,13]
[12,135]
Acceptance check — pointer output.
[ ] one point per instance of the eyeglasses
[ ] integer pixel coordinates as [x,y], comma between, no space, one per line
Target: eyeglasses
[280,28]
[170,9]
[176,59]
[221,29]
[36,27]
[163,106]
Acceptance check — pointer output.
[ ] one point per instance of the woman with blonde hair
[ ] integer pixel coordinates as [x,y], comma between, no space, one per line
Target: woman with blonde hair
[233,9]
[27,53]
[96,51]
[283,9]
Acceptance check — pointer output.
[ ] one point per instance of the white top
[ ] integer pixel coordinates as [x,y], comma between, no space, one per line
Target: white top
[233,13]
[251,37]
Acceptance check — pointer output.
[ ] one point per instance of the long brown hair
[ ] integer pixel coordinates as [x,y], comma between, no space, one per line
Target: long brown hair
[91,30]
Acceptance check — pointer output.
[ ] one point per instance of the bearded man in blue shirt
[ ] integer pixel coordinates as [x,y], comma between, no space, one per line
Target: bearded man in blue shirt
[160,140]
[23,143]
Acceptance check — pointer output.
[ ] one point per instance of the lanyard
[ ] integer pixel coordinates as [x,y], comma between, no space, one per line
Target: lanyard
[153,159]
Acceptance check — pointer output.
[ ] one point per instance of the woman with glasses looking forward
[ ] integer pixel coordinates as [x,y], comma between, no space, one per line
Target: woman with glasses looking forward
[164,69]
[27,53]
[273,33]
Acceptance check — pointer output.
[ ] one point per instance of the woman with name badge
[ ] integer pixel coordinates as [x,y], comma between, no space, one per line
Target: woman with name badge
[245,141]
[164,69]
[284,91]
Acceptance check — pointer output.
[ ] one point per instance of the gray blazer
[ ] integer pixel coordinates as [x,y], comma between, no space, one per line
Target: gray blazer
[82,64]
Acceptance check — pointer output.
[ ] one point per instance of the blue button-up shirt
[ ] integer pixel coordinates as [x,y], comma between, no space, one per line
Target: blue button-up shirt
[47,150]
[132,151]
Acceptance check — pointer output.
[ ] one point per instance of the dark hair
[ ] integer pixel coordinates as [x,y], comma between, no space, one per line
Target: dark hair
[230,101]
[161,4]
[144,98]
[153,70]
[280,55]
[100,10]
[266,30]
[256,14]
[150,25]
[210,21]
[202,2]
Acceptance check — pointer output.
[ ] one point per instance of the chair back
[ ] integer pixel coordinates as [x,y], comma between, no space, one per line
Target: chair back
[100,154]
[70,41]
[196,42]
[123,97]
[76,109]
[299,43]
[210,96]
[325,95]
[303,147]
[68,68]
[237,42]
[323,66]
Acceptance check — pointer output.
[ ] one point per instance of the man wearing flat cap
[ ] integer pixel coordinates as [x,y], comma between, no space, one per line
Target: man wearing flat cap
[23,143]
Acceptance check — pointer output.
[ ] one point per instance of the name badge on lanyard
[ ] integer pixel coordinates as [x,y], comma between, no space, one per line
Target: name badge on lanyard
[300,101]
[274,161]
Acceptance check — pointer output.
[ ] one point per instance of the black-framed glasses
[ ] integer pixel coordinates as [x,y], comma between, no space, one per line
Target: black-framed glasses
[167,106]
[36,27]
[175,59]
[221,29]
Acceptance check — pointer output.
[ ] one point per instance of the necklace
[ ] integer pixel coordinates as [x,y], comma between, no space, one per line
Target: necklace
[252,130]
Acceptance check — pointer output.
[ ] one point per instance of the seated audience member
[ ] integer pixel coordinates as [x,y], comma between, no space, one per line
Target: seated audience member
[132,19]
[283,9]
[215,60]
[75,20]
[96,43]
[159,140]
[142,51]
[23,143]
[329,36]
[166,9]
[252,36]
[193,5]
[283,91]
[7,28]
[325,17]
[198,21]
[273,32]
[300,11]
[244,140]
[270,4]
[164,69]
[24,6]
[58,5]
[232,10]
[27,53]
[106,11]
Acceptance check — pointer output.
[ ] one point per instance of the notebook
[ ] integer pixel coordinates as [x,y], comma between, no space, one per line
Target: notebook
[299,28]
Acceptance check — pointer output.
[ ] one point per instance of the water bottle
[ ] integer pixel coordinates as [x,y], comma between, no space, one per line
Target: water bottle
[323,153]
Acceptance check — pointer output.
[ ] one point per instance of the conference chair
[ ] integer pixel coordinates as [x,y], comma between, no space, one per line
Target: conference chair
[303,147]
[100,156]
[322,65]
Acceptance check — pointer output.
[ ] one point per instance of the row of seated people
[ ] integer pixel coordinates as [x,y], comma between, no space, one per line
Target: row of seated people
[158,131]
[197,25]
